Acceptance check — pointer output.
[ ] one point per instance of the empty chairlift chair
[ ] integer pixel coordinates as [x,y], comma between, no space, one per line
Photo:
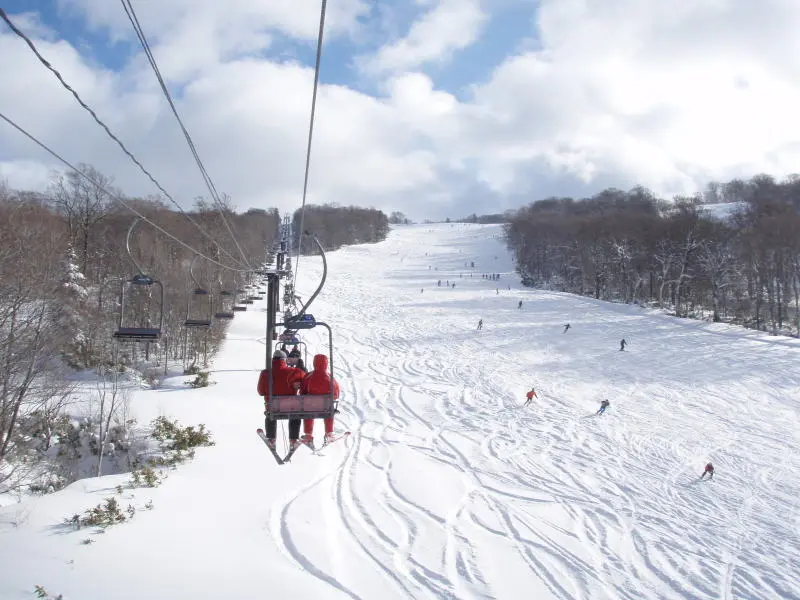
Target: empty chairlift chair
[138,290]
[141,316]
[226,305]
[199,305]
[239,304]
[199,309]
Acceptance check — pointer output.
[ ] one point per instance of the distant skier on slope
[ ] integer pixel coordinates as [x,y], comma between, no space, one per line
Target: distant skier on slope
[708,470]
[567,326]
[603,406]
[622,344]
[480,324]
[519,304]
[530,396]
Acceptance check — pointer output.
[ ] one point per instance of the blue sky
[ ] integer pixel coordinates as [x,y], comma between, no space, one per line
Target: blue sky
[70,26]
[510,25]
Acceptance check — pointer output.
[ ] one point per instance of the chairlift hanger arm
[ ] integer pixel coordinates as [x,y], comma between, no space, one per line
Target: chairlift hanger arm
[139,269]
[305,306]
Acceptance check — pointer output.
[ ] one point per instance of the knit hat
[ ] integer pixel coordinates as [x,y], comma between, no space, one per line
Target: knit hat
[279,354]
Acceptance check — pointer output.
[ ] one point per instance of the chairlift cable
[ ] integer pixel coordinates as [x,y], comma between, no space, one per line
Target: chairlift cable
[86,107]
[310,134]
[134,20]
[115,196]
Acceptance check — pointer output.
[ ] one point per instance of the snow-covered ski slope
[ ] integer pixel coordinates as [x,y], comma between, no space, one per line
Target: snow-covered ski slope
[446,488]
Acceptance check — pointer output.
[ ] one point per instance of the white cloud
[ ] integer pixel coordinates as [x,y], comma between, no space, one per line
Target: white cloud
[188,36]
[449,26]
[619,92]
[649,91]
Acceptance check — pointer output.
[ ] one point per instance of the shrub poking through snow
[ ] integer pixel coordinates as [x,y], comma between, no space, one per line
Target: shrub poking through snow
[176,438]
[43,593]
[107,513]
[145,477]
[176,445]
[200,380]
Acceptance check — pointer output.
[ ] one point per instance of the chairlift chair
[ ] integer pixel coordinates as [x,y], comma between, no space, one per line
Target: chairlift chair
[226,305]
[196,314]
[128,331]
[304,406]
[242,297]
[198,311]
[252,293]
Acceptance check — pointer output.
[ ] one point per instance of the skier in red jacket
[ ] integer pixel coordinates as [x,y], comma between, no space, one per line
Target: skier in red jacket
[709,470]
[286,381]
[530,396]
[318,382]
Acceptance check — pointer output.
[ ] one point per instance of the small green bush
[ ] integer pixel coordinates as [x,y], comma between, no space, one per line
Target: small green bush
[104,514]
[200,380]
[145,477]
[180,438]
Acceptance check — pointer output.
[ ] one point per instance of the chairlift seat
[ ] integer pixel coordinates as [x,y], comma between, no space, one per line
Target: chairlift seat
[137,333]
[306,406]
[239,308]
[197,323]
[247,301]
[142,279]
[224,315]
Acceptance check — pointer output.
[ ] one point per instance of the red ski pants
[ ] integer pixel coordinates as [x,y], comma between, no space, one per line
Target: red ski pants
[308,426]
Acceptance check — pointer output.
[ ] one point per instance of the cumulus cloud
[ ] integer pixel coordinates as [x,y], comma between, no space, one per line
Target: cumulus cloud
[667,94]
[449,26]
[188,36]
[619,92]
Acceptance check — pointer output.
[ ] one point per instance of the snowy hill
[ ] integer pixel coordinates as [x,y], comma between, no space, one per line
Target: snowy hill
[447,488]
[722,211]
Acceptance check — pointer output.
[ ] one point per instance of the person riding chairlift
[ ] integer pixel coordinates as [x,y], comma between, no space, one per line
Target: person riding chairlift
[295,359]
[318,382]
[286,381]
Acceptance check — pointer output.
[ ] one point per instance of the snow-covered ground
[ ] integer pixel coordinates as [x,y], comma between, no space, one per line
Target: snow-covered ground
[446,488]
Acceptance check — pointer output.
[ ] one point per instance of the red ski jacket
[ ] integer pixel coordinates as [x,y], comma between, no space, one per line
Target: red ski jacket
[318,381]
[283,379]
[530,395]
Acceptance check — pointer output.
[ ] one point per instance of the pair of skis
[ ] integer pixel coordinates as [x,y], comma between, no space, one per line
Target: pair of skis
[288,456]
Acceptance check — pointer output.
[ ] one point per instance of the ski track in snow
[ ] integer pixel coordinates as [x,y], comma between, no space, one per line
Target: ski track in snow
[590,507]
[447,488]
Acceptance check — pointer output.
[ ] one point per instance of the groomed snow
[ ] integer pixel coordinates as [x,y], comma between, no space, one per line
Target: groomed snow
[446,488]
